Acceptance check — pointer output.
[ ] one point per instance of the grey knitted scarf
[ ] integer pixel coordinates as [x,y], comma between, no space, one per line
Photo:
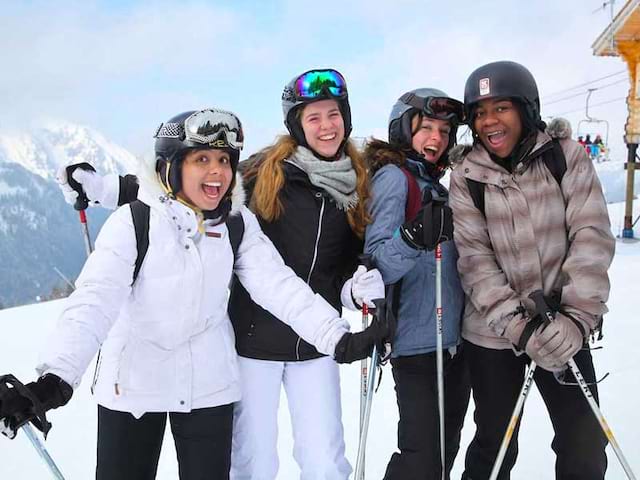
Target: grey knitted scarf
[337,178]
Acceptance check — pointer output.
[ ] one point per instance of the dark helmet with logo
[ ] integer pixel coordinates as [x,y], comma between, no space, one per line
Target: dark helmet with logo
[503,79]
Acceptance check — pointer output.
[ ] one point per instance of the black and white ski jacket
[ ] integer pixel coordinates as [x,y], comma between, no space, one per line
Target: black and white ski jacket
[315,240]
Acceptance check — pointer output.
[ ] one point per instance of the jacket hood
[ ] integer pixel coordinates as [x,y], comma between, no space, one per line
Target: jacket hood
[379,153]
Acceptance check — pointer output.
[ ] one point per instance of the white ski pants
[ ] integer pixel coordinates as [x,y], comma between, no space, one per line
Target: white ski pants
[313,395]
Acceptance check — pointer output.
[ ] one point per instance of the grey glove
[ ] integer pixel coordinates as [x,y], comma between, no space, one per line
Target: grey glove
[553,345]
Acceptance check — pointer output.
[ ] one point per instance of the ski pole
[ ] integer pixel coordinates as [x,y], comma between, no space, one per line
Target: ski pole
[42,451]
[365,260]
[545,315]
[82,202]
[9,428]
[601,420]
[362,443]
[513,422]
[439,359]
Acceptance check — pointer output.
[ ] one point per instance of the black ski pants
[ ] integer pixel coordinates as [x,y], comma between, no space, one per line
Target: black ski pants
[496,380]
[129,448]
[418,427]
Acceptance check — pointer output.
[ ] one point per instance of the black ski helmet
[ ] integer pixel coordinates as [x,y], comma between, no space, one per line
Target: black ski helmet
[503,79]
[293,101]
[423,101]
[195,130]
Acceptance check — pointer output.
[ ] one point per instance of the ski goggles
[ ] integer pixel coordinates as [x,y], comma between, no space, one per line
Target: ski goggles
[318,83]
[211,127]
[442,108]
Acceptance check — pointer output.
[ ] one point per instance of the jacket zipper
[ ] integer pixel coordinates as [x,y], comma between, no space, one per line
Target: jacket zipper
[313,262]
[298,348]
[315,249]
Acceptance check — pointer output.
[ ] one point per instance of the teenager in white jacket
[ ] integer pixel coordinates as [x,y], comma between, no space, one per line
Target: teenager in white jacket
[167,345]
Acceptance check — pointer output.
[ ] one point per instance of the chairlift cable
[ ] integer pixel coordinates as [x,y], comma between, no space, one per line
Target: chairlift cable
[591,106]
[585,92]
[585,83]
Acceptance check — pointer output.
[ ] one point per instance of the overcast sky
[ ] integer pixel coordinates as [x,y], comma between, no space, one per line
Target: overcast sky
[122,67]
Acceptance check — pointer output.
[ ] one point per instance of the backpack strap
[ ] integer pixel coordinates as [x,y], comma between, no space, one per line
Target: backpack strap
[235,225]
[476,190]
[555,161]
[140,214]
[414,195]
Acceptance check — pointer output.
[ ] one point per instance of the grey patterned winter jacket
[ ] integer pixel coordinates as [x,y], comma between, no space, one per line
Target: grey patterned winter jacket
[533,234]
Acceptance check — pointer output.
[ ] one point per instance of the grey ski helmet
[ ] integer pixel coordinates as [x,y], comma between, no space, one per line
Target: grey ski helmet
[312,86]
[429,102]
[503,79]
[195,130]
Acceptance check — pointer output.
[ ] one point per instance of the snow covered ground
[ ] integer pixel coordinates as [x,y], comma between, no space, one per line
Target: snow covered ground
[73,438]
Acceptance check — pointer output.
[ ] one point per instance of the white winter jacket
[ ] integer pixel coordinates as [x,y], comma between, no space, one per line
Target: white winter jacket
[167,343]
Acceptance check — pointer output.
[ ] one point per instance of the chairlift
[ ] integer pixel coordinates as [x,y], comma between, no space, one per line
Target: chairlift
[597,152]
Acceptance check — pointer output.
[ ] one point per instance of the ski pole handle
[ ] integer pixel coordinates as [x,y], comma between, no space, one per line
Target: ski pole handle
[542,307]
[367,260]
[82,202]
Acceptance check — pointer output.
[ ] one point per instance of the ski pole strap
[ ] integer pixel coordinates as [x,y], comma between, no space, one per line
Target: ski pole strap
[529,328]
[542,315]
[36,415]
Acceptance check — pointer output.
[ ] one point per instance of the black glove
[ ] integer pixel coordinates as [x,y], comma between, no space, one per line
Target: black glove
[23,403]
[356,346]
[433,224]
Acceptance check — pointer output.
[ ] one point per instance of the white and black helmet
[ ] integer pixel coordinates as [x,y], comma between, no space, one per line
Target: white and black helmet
[194,130]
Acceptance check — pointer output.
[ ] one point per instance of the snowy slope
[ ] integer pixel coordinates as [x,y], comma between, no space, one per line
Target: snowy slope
[73,437]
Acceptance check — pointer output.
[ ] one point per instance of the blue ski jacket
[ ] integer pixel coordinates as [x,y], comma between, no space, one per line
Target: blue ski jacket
[415,269]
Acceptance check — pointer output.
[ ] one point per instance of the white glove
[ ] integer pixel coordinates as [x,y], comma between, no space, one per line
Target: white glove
[103,190]
[364,287]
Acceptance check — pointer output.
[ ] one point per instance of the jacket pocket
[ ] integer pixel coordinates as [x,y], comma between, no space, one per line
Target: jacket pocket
[214,360]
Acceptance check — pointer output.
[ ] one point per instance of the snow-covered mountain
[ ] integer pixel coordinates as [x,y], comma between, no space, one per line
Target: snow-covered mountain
[38,230]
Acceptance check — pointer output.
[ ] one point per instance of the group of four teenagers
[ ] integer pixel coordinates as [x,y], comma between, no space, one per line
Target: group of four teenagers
[314,202]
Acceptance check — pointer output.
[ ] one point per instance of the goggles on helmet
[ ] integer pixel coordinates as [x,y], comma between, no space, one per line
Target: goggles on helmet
[214,128]
[316,84]
[442,108]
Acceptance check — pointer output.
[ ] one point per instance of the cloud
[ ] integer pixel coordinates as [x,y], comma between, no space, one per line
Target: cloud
[122,67]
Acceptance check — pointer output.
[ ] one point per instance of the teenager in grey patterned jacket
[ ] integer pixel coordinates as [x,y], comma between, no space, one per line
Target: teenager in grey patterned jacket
[532,232]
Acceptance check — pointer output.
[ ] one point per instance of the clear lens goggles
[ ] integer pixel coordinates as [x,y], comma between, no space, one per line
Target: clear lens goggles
[442,108]
[215,128]
[316,83]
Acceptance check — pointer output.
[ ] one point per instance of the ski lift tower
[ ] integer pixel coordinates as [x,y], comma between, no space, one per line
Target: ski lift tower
[622,39]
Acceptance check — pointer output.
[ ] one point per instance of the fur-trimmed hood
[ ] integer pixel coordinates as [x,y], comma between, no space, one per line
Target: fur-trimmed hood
[152,191]
[378,153]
